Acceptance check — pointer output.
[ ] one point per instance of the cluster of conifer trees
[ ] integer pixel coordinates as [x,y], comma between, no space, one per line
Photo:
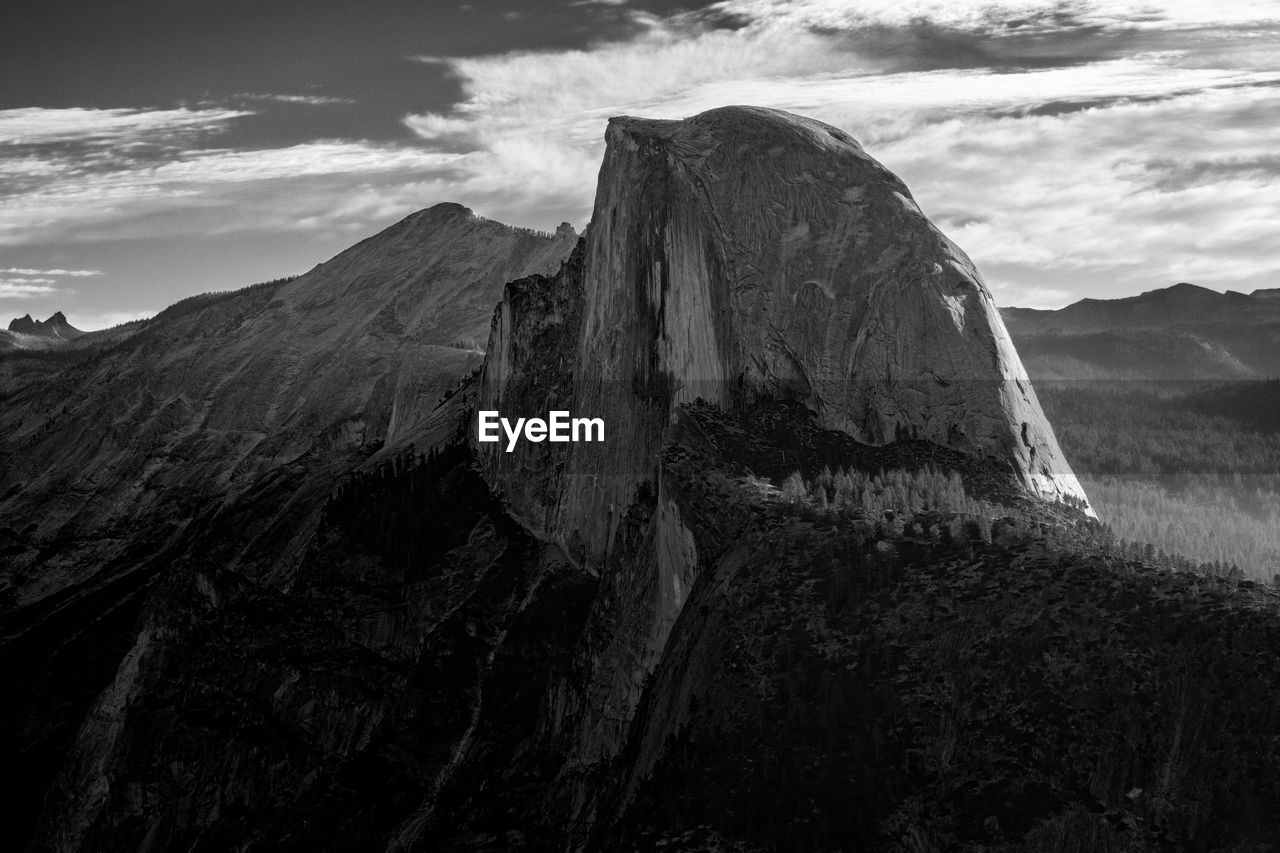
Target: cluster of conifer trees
[896,491]
[933,504]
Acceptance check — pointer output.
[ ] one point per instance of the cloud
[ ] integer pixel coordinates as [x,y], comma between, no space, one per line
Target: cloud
[1027,296]
[39,125]
[1091,191]
[1009,14]
[1063,144]
[31,283]
[216,188]
[306,100]
[105,320]
[19,288]
[59,272]
[1119,142]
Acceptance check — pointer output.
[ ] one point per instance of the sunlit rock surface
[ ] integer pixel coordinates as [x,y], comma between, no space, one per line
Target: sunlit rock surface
[211,436]
[216,392]
[742,254]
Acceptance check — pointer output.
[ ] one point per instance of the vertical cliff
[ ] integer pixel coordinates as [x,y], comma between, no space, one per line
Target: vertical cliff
[744,254]
[740,257]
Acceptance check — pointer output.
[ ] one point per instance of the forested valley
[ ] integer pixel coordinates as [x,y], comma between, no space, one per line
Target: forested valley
[1191,468]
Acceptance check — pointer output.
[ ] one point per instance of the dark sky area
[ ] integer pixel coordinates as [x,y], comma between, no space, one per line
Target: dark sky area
[150,53]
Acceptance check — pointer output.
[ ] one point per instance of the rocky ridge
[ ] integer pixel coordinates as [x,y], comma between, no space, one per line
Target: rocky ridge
[211,398]
[214,433]
[1182,332]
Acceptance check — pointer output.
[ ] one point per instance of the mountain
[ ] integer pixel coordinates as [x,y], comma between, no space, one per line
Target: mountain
[25,333]
[30,365]
[1182,304]
[237,385]
[55,327]
[237,412]
[827,582]
[764,282]
[1179,332]
[234,386]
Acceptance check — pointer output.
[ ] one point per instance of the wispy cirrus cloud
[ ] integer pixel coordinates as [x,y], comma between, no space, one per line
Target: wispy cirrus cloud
[91,198]
[1008,14]
[112,186]
[31,283]
[58,272]
[1070,147]
[39,125]
[76,174]
[1089,145]
[25,288]
[1132,192]
[304,100]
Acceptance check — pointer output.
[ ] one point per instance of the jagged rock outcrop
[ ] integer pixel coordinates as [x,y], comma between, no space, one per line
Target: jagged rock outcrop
[25,333]
[23,325]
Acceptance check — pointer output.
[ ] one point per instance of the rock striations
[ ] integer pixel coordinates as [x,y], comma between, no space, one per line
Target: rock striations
[739,257]
[743,254]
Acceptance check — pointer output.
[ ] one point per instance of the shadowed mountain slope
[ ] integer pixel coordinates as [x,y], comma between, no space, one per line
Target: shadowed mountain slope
[202,402]
[250,405]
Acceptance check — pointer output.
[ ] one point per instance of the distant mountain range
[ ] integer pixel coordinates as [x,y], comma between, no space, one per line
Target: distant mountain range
[25,333]
[1179,332]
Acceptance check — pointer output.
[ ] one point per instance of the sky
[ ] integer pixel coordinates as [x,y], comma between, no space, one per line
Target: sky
[154,149]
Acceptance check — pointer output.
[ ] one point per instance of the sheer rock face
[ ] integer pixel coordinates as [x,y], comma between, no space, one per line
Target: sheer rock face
[747,253]
[737,256]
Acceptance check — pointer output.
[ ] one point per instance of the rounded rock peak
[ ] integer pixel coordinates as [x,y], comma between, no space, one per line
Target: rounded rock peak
[757,124]
[446,210]
[444,214]
[778,259]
